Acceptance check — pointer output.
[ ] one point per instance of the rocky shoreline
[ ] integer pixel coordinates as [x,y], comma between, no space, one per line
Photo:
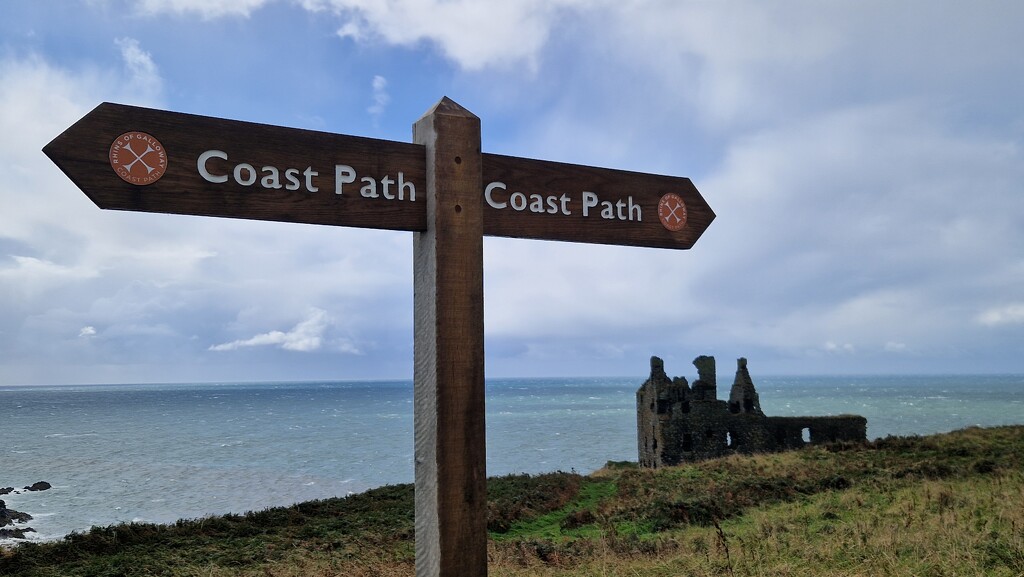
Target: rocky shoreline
[11,521]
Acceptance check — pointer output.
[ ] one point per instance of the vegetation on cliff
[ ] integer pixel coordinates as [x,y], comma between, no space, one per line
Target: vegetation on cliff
[949,504]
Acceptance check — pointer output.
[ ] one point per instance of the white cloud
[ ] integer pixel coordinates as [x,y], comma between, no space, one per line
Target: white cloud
[833,347]
[473,33]
[895,347]
[206,9]
[87,332]
[1011,314]
[33,276]
[306,336]
[142,71]
[864,159]
[380,97]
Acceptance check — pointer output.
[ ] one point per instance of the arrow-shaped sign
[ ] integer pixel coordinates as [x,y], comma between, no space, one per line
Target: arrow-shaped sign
[129,158]
[139,159]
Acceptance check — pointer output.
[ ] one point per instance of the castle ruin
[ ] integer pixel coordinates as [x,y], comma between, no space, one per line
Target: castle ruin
[679,423]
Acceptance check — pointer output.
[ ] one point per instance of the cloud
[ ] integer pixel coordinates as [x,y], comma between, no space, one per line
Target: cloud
[206,9]
[35,274]
[1011,314]
[474,34]
[864,161]
[380,97]
[845,348]
[895,347]
[306,336]
[142,71]
[87,332]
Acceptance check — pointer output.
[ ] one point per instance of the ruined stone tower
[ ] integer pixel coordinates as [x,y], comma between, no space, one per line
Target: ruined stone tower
[677,423]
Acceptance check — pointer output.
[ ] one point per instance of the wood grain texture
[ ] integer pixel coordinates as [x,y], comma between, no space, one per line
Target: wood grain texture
[450,444]
[82,153]
[547,179]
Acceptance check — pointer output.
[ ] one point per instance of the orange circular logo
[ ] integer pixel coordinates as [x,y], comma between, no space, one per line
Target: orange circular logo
[138,158]
[672,212]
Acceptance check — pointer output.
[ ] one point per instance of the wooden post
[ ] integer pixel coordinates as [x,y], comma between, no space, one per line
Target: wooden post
[204,170]
[450,447]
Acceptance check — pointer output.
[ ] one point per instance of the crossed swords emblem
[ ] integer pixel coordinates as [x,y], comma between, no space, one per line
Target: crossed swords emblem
[672,208]
[139,157]
[672,212]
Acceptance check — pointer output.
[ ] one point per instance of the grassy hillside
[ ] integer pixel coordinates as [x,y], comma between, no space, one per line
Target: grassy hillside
[941,505]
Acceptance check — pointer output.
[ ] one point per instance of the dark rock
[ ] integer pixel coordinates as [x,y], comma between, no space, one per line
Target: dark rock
[18,533]
[6,490]
[10,516]
[38,486]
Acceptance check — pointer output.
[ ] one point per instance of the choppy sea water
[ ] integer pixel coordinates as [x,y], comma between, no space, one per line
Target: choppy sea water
[158,453]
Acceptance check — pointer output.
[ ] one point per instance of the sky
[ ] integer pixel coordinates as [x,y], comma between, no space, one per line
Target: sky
[864,160]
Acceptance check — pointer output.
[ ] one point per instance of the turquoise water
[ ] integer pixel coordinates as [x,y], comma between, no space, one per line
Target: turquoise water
[158,453]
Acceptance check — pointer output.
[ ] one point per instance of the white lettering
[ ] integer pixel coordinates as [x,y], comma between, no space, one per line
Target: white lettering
[385,182]
[518,201]
[292,176]
[201,165]
[309,174]
[490,199]
[621,209]
[536,203]
[565,205]
[272,178]
[402,184]
[589,201]
[631,208]
[343,174]
[250,179]
[369,190]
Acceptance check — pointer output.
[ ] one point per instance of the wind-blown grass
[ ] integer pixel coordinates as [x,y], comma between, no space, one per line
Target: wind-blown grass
[948,504]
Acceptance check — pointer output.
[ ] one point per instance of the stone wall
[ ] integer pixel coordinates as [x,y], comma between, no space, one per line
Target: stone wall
[678,423]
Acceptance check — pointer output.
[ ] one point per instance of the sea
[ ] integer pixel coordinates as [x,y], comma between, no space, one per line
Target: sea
[159,453]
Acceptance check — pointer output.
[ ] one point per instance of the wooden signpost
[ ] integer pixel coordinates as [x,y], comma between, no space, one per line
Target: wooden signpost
[441,187]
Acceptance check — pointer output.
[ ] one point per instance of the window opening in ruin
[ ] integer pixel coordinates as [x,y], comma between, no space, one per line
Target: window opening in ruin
[748,405]
[729,440]
[687,442]
[805,434]
[663,406]
[734,408]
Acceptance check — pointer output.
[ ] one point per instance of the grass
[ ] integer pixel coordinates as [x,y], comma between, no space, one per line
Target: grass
[940,505]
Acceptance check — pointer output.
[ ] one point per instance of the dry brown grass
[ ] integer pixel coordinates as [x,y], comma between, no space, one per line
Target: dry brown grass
[949,505]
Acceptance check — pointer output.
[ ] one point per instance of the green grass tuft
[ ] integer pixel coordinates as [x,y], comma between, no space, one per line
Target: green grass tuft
[938,505]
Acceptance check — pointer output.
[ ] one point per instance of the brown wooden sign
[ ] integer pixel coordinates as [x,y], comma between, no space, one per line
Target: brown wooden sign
[139,159]
[525,198]
[442,188]
[215,167]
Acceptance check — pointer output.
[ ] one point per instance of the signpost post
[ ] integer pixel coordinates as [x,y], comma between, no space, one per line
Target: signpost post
[442,188]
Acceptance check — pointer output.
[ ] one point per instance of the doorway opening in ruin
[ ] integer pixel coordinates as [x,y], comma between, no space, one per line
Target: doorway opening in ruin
[805,435]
